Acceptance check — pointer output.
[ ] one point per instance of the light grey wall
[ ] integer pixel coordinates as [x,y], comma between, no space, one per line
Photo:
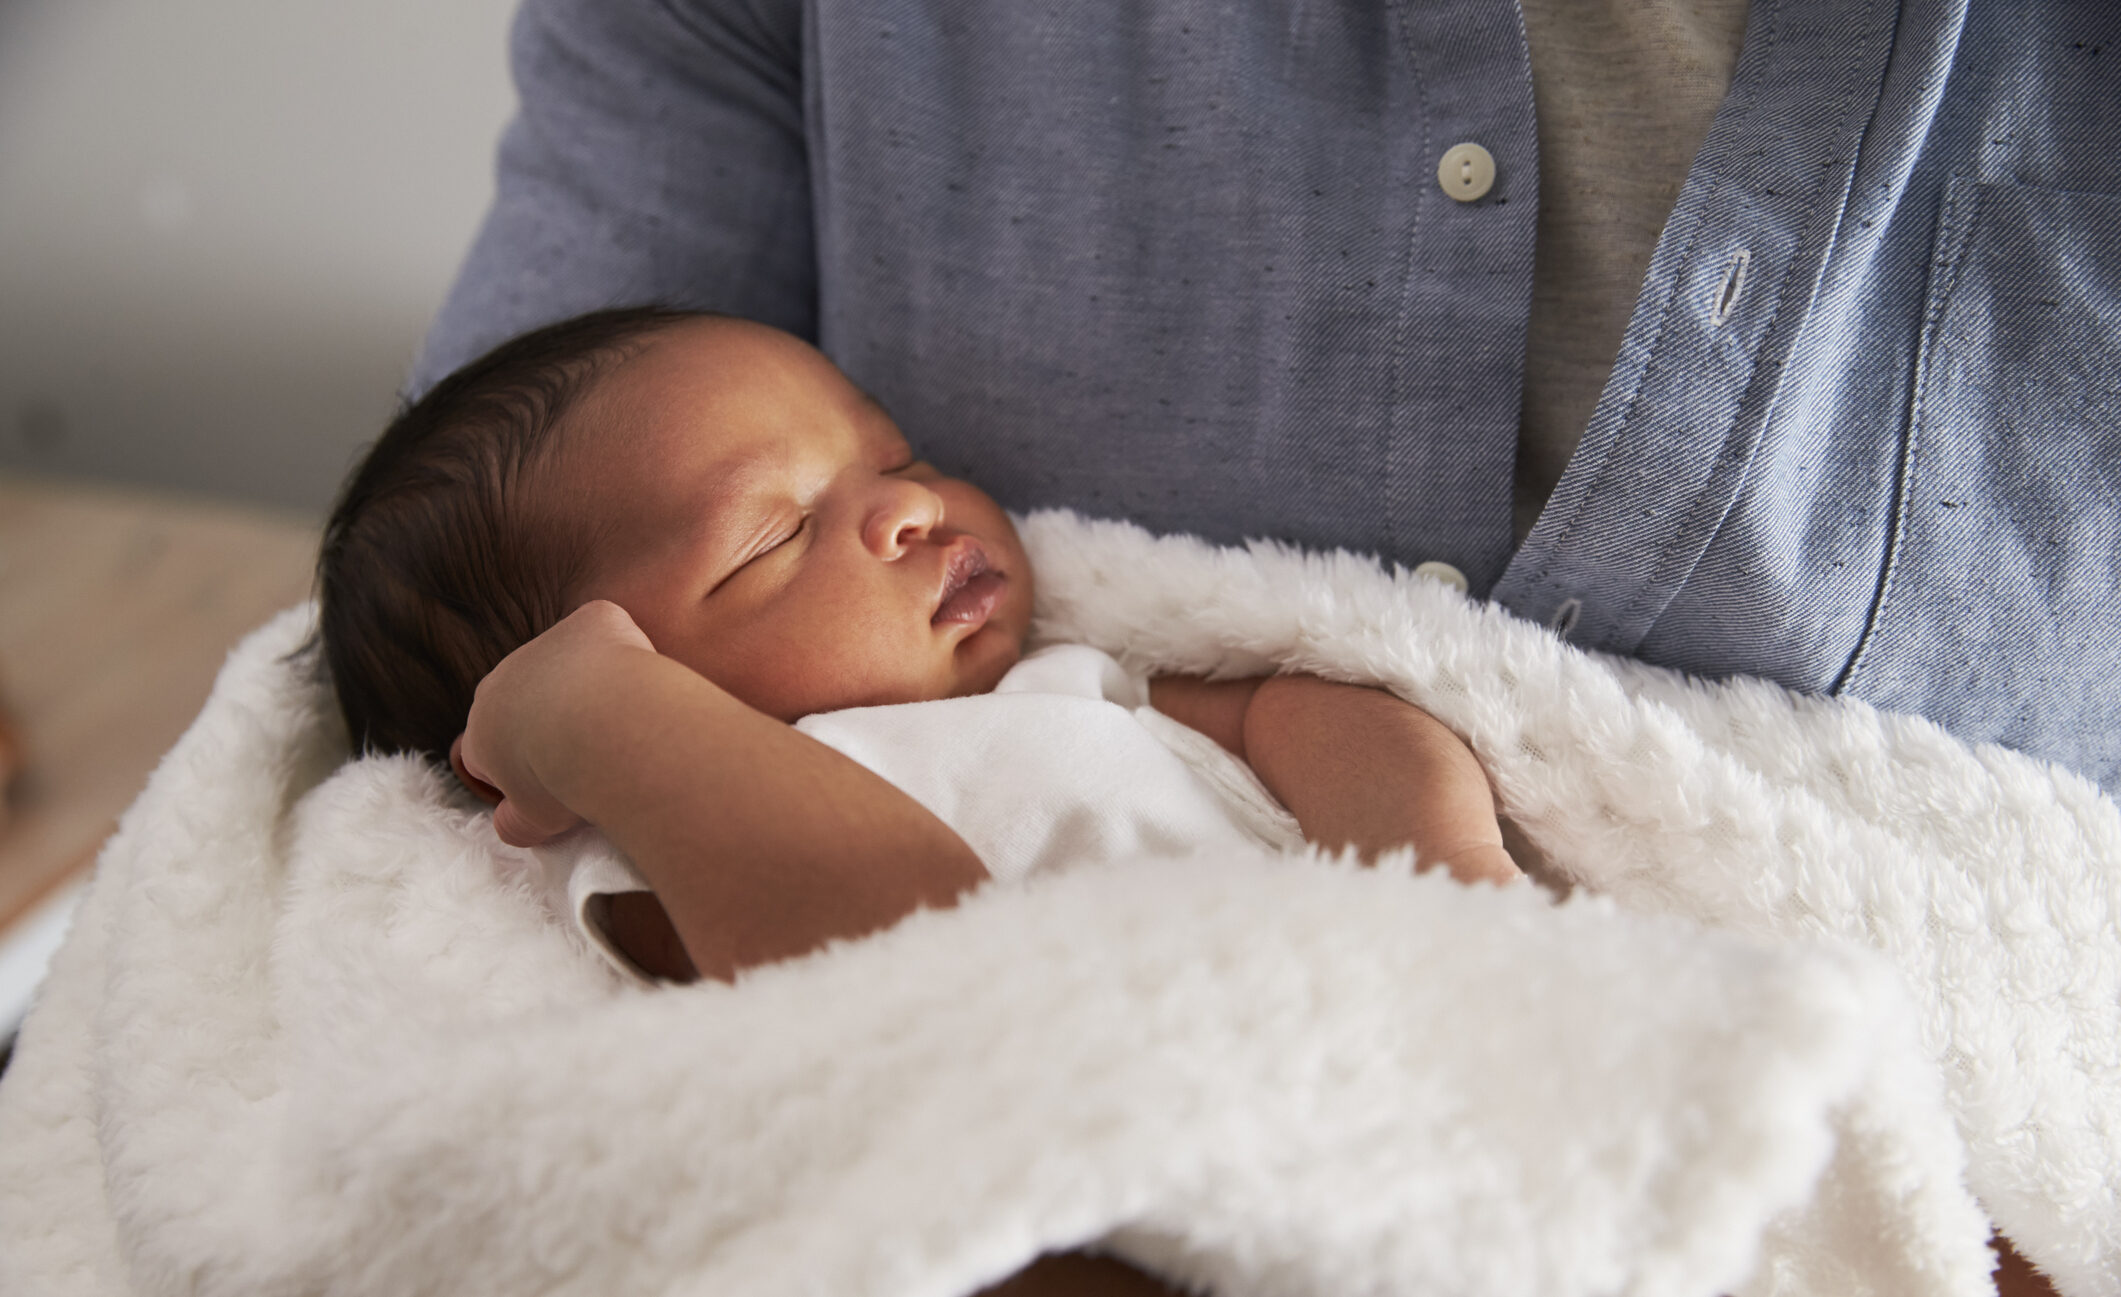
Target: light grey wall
[224,225]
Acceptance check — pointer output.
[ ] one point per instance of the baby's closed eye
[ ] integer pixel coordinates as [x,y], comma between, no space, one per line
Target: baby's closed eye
[772,541]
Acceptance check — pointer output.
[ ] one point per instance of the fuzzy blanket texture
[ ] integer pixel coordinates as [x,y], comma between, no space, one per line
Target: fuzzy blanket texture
[1832,992]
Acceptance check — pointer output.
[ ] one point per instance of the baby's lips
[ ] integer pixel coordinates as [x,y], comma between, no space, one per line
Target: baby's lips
[963,560]
[973,602]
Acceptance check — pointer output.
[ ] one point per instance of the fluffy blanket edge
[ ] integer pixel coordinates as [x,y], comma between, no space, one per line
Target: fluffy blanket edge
[321,1033]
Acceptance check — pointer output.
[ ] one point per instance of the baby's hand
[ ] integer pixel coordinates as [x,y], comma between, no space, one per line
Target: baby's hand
[1355,766]
[1363,767]
[527,703]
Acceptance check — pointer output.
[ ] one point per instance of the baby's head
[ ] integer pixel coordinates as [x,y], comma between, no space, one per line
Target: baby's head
[758,515]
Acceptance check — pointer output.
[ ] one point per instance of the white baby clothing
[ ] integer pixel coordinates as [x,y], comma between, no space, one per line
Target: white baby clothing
[1064,762]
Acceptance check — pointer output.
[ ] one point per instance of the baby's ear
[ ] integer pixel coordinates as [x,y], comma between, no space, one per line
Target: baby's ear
[480,789]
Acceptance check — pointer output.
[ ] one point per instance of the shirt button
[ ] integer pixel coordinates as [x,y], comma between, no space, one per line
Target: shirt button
[1443,572]
[1466,172]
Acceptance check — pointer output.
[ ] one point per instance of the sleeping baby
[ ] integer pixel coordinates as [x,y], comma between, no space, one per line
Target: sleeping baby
[675,576]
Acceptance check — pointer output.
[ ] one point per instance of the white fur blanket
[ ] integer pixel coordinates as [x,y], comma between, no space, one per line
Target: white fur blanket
[316,1030]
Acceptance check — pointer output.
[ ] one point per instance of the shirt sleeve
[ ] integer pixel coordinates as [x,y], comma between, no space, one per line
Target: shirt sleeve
[593,878]
[657,156]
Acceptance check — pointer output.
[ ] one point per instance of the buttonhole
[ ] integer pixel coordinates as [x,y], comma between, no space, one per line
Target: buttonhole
[1732,285]
[1564,620]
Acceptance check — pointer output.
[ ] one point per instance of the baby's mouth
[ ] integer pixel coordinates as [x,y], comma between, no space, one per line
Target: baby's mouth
[972,589]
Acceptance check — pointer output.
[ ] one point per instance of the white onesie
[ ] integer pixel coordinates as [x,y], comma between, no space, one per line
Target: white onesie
[1064,762]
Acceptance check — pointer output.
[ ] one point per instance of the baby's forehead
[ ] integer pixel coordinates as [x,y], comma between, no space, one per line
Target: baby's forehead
[698,358]
[706,414]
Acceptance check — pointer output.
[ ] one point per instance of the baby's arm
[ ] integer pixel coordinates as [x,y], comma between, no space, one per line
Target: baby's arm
[1354,766]
[760,842]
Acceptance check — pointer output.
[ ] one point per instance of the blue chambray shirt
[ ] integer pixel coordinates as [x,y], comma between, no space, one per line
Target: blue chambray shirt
[1187,262]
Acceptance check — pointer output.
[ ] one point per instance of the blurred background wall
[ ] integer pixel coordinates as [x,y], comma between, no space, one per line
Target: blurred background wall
[224,225]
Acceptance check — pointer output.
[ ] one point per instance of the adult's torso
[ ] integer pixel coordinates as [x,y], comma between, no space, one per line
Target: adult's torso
[1192,264]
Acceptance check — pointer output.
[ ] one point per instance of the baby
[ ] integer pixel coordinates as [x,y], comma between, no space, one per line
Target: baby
[609,568]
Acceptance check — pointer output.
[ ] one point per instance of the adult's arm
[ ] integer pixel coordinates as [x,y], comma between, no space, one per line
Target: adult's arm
[656,155]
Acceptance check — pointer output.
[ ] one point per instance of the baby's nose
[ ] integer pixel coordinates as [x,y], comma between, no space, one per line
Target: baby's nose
[905,514]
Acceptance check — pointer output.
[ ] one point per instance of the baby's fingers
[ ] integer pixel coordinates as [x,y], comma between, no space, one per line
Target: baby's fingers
[480,789]
[511,822]
[518,828]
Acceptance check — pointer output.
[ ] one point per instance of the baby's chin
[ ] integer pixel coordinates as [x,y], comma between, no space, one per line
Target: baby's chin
[981,665]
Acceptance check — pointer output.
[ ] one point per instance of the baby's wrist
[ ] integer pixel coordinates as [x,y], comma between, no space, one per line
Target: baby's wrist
[613,720]
[561,715]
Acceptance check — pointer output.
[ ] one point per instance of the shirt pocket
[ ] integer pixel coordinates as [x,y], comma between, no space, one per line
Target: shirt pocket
[1997,612]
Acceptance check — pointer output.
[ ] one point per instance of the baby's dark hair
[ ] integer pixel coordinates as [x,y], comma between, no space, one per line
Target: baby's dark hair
[440,557]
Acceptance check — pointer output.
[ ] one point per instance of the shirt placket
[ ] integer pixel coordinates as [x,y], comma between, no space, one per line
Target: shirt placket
[1666,450]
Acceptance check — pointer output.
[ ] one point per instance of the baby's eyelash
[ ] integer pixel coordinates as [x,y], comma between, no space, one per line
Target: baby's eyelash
[793,532]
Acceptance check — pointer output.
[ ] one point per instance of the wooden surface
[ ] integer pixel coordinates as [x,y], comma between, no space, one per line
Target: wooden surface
[116,609]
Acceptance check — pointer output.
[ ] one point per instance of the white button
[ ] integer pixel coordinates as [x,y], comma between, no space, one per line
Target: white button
[1467,172]
[1443,572]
